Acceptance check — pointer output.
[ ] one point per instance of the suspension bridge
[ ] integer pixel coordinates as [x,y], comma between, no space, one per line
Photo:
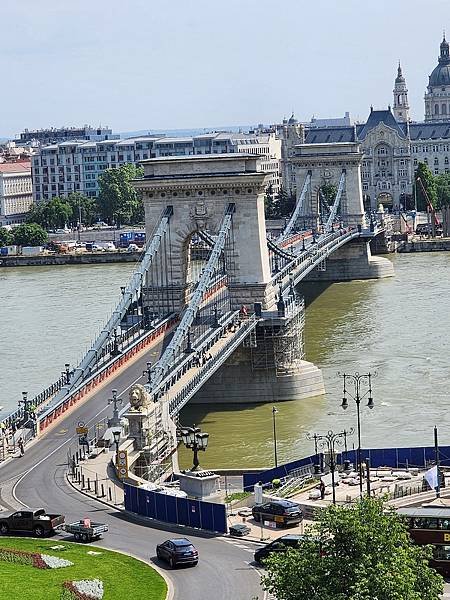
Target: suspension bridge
[217,296]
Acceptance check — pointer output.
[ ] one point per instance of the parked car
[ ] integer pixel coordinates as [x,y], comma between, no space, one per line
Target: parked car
[109,247]
[133,248]
[177,551]
[37,521]
[281,544]
[283,512]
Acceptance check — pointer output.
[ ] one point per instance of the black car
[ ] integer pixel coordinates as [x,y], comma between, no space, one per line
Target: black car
[283,512]
[281,544]
[178,551]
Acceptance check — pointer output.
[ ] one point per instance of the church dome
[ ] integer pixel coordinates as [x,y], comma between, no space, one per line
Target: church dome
[441,74]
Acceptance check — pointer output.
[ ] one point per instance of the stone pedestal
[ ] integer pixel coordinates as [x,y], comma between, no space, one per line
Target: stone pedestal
[139,426]
[199,487]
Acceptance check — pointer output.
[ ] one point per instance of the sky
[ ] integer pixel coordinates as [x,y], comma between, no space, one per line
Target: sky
[148,64]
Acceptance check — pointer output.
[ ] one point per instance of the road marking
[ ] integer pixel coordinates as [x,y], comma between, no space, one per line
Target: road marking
[58,448]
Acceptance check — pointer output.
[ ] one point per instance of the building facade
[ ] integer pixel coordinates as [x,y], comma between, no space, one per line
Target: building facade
[54,135]
[16,194]
[75,166]
[392,144]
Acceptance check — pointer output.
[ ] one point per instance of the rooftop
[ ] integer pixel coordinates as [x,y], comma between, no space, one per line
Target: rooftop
[16,167]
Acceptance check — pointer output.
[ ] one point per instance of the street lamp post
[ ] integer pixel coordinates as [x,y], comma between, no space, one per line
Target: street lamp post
[115,351]
[148,372]
[194,439]
[358,380]
[66,374]
[274,412]
[329,441]
[115,421]
[26,404]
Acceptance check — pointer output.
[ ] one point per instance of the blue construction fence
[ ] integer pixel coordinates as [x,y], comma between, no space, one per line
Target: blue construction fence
[174,510]
[399,458]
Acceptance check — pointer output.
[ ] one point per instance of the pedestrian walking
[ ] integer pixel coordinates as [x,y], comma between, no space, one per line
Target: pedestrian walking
[322,489]
[21,448]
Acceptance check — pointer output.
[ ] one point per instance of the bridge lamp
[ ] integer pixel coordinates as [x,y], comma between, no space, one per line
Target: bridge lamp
[344,404]
[370,403]
[202,440]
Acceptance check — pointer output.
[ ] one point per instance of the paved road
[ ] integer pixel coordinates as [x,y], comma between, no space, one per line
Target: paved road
[37,479]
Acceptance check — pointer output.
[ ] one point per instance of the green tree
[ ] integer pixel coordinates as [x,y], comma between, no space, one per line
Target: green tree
[360,553]
[29,234]
[6,238]
[118,201]
[443,190]
[428,180]
[87,206]
[286,203]
[51,214]
[329,191]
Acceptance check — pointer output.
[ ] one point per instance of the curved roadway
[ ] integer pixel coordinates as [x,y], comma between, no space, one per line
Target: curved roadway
[38,480]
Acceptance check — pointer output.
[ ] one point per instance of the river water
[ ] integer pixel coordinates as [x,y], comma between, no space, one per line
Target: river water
[398,327]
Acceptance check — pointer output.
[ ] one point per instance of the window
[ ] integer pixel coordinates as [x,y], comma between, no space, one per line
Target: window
[365,187]
[446,160]
[443,109]
[436,109]
[436,160]
[436,171]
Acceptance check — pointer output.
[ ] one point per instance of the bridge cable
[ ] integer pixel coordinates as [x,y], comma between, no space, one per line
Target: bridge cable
[297,211]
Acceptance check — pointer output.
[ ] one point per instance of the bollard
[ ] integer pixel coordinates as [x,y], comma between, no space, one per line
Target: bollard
[89,484]
[82,482]
[103,492]
[96,487]
[109,493]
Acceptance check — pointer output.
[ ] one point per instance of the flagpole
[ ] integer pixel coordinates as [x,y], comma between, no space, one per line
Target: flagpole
[436,451]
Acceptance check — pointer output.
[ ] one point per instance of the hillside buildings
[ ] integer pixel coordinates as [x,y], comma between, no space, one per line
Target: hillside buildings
[16,194]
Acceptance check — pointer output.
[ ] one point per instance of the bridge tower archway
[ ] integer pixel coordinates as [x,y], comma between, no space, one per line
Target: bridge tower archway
[199,188]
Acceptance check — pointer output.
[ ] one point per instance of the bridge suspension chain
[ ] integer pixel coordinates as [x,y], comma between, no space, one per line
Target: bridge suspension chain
[336,203]
[297,211]
[163,365]
[118,314]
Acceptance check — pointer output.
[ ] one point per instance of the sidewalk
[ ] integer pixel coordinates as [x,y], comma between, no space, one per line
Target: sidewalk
[96,477]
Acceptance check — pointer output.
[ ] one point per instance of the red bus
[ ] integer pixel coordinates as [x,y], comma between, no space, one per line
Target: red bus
[431,525]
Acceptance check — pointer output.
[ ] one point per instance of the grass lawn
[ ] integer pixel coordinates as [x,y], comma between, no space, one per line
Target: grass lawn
[123,577]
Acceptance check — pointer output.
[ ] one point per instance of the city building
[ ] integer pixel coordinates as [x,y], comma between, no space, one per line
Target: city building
[392,144]
[74,166]
[54,135]
[16,194]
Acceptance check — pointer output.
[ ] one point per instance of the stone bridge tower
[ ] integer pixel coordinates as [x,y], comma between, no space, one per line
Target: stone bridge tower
[199,188]
[325,163]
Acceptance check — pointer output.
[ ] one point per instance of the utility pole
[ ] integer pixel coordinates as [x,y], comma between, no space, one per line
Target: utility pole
[436,451]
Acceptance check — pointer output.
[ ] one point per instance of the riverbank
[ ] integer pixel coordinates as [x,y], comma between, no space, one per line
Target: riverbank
[70,258]
[418,244]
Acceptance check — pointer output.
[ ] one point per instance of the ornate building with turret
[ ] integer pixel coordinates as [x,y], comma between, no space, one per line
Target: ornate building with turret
[392,144]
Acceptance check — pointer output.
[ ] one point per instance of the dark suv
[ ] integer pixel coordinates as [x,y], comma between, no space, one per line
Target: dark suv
[177,551]
[281,544]
[283,512]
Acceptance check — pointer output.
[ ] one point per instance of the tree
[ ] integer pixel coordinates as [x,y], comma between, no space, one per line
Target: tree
[118,201]
[87,206]
[29,234]
[443,190]
[6,238]
[360,553]
[51,214]
[286,203]
[329,191]
[429,183]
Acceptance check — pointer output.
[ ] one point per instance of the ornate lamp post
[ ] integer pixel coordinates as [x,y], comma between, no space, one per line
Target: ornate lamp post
[66,374]
[357,395]
[194,439]
[329,441]
[115,421]
[26,404]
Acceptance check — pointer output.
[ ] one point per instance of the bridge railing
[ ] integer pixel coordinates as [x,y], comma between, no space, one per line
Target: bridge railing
[53,411]
[211,366]
[315,253]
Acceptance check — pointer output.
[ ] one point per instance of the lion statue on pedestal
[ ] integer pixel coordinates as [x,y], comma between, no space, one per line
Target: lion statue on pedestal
[139,398]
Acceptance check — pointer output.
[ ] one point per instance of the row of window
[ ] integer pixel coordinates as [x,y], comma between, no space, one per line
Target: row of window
[430,148]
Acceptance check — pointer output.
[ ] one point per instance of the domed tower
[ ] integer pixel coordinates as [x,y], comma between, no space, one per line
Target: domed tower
[401,105]
[437,97]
